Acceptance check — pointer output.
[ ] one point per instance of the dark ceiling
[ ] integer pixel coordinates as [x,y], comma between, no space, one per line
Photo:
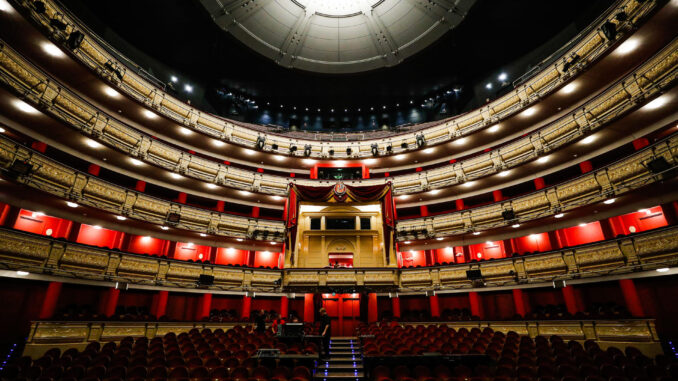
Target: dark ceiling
[181,35]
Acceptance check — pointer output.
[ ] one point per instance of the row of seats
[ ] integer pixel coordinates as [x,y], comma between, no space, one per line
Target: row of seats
[513,357]
[597,311]
[198,355]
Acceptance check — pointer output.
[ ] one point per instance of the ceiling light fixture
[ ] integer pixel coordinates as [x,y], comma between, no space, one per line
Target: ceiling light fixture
[121,218]
[515,226]
[504,173]
[460,141]
[25,107]
[559,215]
[628,46]
[164,227]
[175,176]
[663,270]
[111,93]
[493,129]
[72,204]
[52,50]
[543,159]
[185,131]
[440,239]
[136,162]
[218,143]
[656,103]
[203,235]
[530,111]
[588,139]
[91,143]
[476,233]
[211,186]
[569,88]
[22,273]
[609,201]
[149,114]
[407,242]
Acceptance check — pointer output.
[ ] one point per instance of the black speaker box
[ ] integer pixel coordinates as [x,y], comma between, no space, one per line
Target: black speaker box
[508,215]
[474,274]
[206,280]
[658,165]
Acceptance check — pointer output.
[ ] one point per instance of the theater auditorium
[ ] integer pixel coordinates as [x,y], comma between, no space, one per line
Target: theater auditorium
[338,190]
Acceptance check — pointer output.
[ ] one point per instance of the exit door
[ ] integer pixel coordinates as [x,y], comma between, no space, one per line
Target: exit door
[344,312]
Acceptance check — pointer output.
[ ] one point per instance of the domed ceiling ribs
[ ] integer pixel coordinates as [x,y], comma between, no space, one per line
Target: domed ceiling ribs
[337,36]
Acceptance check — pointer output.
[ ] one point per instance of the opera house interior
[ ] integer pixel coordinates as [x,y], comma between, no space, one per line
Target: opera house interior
[339,190]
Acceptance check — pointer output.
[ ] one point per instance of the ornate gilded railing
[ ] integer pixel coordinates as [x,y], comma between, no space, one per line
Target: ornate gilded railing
[93,55]
[39,254]
[44,92]
[641,333]
[615,179]
[59,180]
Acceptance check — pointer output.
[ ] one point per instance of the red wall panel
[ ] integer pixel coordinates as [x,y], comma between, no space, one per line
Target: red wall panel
[90,235]
[188,250]
[579,235]
[230,256]
[532,243]
[452,301]
[145,245]
[413,258]
[643,220]
[487,250]
[266,259]
[38,223]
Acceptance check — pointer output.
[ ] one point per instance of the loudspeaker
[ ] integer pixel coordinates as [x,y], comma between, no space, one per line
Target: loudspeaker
[403,146]
[508,215]
[474,274]
[274,146]
[19,168]
[658,165]
[348,151]
[331,152]
[75,39]
[173,218]
[559,284]
[206,280]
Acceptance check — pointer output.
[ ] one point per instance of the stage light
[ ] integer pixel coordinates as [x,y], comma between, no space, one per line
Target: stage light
[111,93]
[185,131]
[239,239]
[2,130]
[407,242]
[375,149]
[582,224]
[52,50]
[307,150]
[5,7]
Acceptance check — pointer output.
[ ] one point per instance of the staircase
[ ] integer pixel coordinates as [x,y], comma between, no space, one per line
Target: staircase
[344,363]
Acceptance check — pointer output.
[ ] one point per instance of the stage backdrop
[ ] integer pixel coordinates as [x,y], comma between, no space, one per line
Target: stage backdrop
[341,193]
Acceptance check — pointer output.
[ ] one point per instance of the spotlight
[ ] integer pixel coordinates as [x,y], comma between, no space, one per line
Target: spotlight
[307,150]
[375,149]
[75,39]
[293,149]
[261,142]
[609,30]
[348,151]
[421,141]
[39,7]
[58,24]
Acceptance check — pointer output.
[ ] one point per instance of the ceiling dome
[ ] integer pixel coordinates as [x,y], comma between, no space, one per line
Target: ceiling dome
[337,36]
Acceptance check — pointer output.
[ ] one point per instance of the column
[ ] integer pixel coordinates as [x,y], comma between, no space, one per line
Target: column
[50,301]
[372,314]
[246,307]
[435,306]
[497,195]
[476,305]
[140,186]
[631,297]
[539,183]
[395,305]
[93,169]
[459,203]
[308,308]
[640,143]
[250,258]
[428,256]
[221,206]
[205,306]
[570,300]
[161,308]
[112,296]
[585,166]
[284,306]
[519,302]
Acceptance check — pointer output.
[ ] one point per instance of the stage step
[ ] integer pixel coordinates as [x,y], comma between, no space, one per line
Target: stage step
[345,362]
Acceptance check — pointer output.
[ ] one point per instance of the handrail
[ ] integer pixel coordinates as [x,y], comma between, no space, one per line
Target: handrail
[221,128]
